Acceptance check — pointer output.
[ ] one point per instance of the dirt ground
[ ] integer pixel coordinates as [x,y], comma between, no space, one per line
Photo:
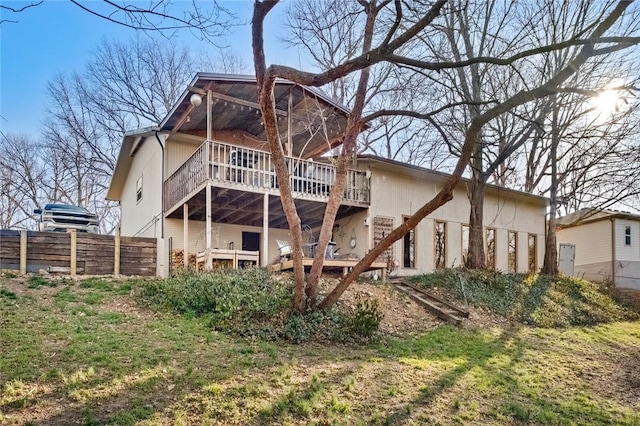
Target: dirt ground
[402,315]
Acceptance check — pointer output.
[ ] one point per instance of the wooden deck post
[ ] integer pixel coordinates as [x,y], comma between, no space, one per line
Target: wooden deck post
[265,230]
[74,245]
[116,253]
[208,227]
[209,101]
[23,251]
[185,234]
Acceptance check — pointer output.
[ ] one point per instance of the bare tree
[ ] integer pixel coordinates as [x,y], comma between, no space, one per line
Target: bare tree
[14,11]
[21,178]
[390,39]
[330,33]
[126,85]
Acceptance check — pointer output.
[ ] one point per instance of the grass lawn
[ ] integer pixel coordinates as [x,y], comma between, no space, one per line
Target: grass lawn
[86,353]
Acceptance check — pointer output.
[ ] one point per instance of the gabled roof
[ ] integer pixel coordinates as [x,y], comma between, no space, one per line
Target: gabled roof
[316,119]
[588,215]
[131,142]
[419,172]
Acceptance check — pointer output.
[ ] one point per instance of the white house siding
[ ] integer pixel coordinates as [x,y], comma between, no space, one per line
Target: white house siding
[177,153]
[624,252]
[352,226]
[502,248]
[593,243]
[142,218]
[627,265]
[397,195]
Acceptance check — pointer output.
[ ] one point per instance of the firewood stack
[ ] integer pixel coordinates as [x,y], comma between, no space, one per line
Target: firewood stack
[177,260]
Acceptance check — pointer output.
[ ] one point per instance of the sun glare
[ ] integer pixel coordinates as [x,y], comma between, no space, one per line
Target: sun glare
[607,101]
[610,99]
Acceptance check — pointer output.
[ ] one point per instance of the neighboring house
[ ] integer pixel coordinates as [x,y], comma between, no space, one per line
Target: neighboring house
[607,245]
[212,166]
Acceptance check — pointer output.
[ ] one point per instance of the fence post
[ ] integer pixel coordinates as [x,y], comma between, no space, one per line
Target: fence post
[116,254]
[74,245]
[23,251]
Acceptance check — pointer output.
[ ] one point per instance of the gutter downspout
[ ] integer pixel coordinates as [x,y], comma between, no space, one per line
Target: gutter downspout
[613,251]
[162,196]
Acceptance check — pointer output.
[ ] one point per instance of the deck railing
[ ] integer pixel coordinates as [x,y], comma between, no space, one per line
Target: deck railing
[252,170]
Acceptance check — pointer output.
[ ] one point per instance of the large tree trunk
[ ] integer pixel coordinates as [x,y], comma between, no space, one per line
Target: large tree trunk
[476,256]
[475,192]
[551,251]
[550,266]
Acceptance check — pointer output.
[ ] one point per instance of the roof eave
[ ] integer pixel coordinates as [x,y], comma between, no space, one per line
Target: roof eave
[444,176]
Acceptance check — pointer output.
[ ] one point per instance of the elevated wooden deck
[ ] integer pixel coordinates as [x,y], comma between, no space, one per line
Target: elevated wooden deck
[243,169]
[332,265]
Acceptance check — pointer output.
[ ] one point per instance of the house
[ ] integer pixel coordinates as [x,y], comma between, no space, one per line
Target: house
[607,245]
[203,179]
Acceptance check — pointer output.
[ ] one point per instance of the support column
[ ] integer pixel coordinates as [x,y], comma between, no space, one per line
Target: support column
[289,139]
[208,227]
[265,230]
[209,115]
[185,235]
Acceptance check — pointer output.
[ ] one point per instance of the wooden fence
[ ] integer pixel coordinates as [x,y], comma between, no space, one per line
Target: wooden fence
[77,253]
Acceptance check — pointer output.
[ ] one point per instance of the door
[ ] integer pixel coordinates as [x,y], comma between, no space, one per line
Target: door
[566,259]
[251,241]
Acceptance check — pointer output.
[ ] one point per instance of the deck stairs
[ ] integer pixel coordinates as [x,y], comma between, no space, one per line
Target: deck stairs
[441,308]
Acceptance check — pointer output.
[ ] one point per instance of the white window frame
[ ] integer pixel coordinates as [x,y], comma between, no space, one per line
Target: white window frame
[139,190]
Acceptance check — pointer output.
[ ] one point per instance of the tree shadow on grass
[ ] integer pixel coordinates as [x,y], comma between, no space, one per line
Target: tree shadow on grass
[121,401]
[304,400]
[136,394]
[448,344]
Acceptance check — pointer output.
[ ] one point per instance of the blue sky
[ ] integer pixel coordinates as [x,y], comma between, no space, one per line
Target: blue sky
[57,37]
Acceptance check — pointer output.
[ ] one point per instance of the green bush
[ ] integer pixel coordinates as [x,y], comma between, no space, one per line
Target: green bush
[239,296]
[357,325]
[365,320]
[249,303]
[537,300]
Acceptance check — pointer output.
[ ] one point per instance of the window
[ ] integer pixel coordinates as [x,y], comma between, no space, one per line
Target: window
[409,249]
[533,248]
[627,235]
[139,189]
[440,245]
[465,244]
[491,248]
[512,259]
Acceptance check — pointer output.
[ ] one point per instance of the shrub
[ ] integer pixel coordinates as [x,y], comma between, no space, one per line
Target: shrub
[249,303]
[365,320]
[239,296]
[537,300]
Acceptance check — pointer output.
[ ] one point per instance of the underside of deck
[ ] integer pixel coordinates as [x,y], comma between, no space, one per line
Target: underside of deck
[241,207]
[335,265]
